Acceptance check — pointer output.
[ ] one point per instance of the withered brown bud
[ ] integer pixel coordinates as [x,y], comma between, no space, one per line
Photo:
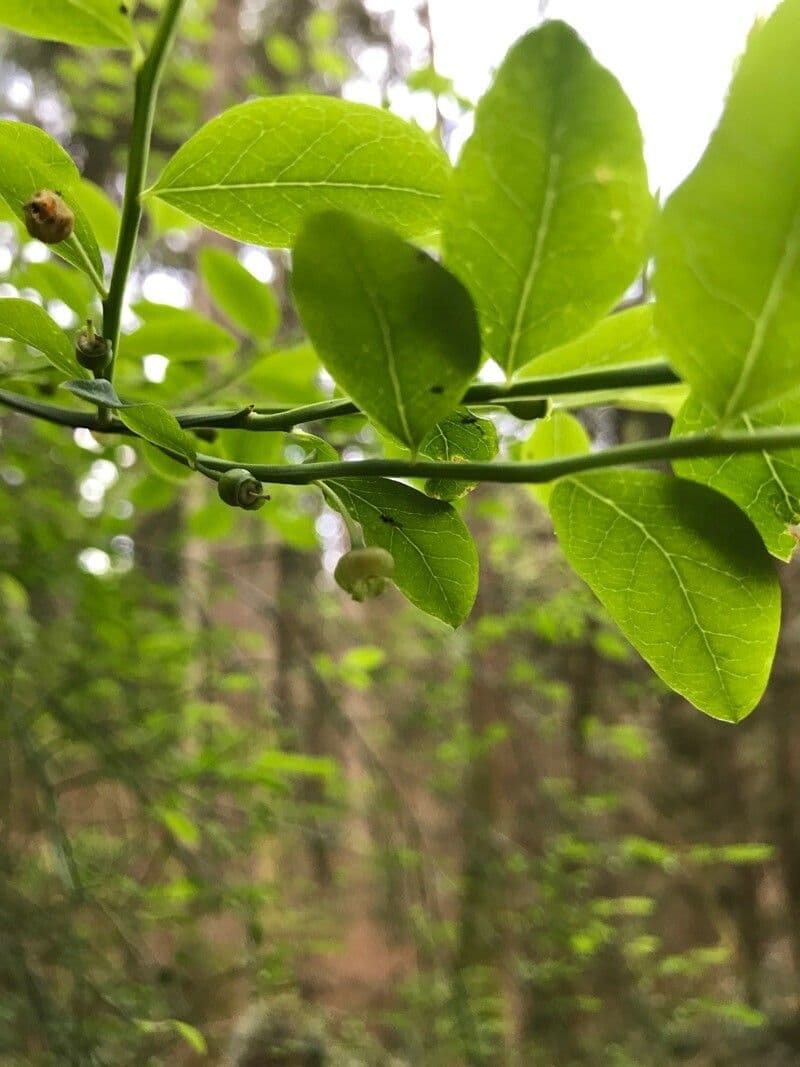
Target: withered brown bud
[47,217]
[92,350]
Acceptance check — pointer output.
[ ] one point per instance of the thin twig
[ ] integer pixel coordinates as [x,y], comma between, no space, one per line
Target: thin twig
[264,420]
[145,91]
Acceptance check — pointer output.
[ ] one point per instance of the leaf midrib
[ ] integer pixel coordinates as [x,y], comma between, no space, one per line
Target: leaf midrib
[769,309]
[168,190]
[548,203]
[388,347]
[555,134]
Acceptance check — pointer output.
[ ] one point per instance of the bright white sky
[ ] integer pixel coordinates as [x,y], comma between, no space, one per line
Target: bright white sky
[673,57]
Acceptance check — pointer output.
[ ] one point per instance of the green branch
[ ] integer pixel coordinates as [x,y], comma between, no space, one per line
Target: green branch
[259,419]
[88,266]
[691,446]
[48,412]
[603,379]
[262,420]
[146,87]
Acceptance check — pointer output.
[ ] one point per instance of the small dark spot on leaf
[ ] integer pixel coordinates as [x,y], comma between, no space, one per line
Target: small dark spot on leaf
[389,520]
[469,420]
[437,390]
[123,9]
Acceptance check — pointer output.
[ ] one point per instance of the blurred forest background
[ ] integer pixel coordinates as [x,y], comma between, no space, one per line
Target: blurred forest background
[240,814]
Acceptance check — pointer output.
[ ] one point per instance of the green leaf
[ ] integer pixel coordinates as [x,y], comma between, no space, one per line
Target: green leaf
[683,574]
[280,764]
[258,170]
[213,521]
[732,1011]
[294,527]
[153,494]
[314,449]
[331,63]
[80,22]
[180,826]
[364,658]
[248,303]
[765,485]
[547,217]
[668,399]
[57,281]
[96,392]
[459,437]
[436,562]
[284,53]
[24,321]
[31,160]
[167,468]
[393,327]
[283,376]
[13,367]
[728,250]
[322,26]
[429,80]
[164,217]
[742,854]
[7,215]
[557,436]
[246,448]
[526,410]
[156,425]
[103,212]
[178,334]
[627,337]
[191,1035]
[151,422]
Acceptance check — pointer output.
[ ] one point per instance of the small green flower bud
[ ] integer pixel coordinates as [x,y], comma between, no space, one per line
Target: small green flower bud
[240,489]
[364,572]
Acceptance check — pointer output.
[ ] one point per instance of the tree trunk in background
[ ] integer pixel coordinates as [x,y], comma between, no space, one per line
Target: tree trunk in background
[739,894]
[584,670]
[482,953]
[786,817]
[301,711]
[202,557]
[785,743]
[225,47]
[711,798]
